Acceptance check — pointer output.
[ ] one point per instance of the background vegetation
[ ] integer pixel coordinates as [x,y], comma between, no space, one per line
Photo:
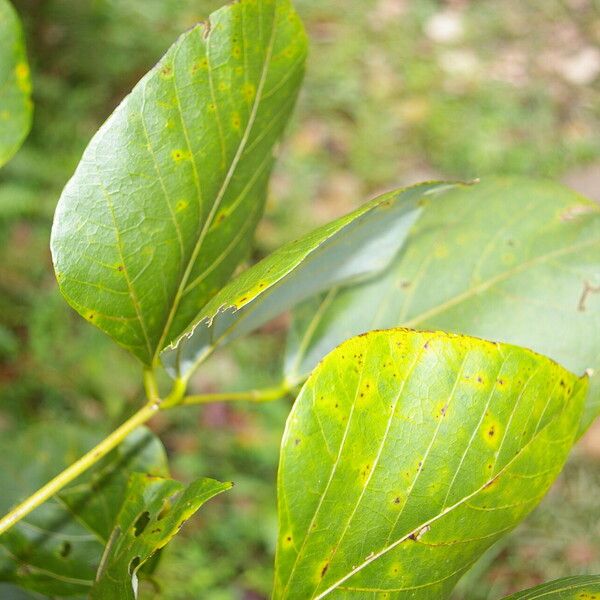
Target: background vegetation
[397,91]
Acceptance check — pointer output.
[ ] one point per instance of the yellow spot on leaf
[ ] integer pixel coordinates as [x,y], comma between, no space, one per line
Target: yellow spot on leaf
[22,75]
[199,65]
[491,431]
[440,251]
[181,205]
[236,121]
[249,91]
[179,155]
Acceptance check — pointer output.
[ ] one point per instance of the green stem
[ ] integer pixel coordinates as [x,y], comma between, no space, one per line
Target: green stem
[77,468]
[264,395]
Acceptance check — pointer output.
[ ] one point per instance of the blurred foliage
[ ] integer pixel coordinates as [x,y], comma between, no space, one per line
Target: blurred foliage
[397,91]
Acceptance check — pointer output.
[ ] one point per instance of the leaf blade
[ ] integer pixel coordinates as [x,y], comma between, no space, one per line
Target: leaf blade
[351,248]
[509,259]
[164,202]
[567,588]
[16,108]
[370,498]
[145,524]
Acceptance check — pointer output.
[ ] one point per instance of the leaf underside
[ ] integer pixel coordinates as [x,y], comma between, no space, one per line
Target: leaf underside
[165,200]
[583,587]
[15,86]
[355,247]
[407,454]
[509,259]
[56,550]
[153,513]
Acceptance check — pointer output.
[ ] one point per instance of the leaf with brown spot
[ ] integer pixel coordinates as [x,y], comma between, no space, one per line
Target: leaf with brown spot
[496,260]
[164,203]
[374,491]
[154,511]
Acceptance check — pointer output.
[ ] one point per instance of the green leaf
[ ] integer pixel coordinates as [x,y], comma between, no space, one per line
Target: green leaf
[15,86]
[165,200]
[142,452]
[407,454]
[153,514]
[583,587]
[508,259]
[354,247]
[57,549]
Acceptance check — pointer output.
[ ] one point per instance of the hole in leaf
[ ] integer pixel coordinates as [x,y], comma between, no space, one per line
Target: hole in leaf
[141,523]
[65,549]
[133,565]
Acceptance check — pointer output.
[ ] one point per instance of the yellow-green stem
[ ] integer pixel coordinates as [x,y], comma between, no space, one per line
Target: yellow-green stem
[77,468]
[264,395]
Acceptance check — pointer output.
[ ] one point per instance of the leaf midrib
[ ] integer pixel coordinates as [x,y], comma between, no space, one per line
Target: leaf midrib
[237,157]
[443,512]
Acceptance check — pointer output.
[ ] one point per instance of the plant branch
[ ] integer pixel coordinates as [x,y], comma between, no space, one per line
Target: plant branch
[78,467]
[262,395]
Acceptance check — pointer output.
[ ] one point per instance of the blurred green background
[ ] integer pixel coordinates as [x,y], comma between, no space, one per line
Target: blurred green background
[397,91]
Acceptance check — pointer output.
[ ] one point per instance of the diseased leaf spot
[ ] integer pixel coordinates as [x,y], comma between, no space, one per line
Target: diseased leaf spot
[249,91]
[181,205]
[166,72]
[324,569]
[200,65]
[179,155]
[22,75]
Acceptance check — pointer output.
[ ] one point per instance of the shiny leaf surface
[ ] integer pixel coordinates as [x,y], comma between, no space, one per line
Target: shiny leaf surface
[508,259]
[154,512]
[407,454]
[164,202]
[15,85]
[352,248]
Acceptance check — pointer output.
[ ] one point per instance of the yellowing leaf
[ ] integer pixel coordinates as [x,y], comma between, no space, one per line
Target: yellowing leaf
[407,454]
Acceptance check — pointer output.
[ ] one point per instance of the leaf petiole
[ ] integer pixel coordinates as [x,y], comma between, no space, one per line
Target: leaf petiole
[260,395]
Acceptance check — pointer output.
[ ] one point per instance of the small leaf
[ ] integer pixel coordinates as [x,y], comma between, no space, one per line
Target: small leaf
[352,248]
[509,259]
[407,454]
[583,587]
[97,496]
[154,512]
[15,86]
[165,200]
[56,550]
